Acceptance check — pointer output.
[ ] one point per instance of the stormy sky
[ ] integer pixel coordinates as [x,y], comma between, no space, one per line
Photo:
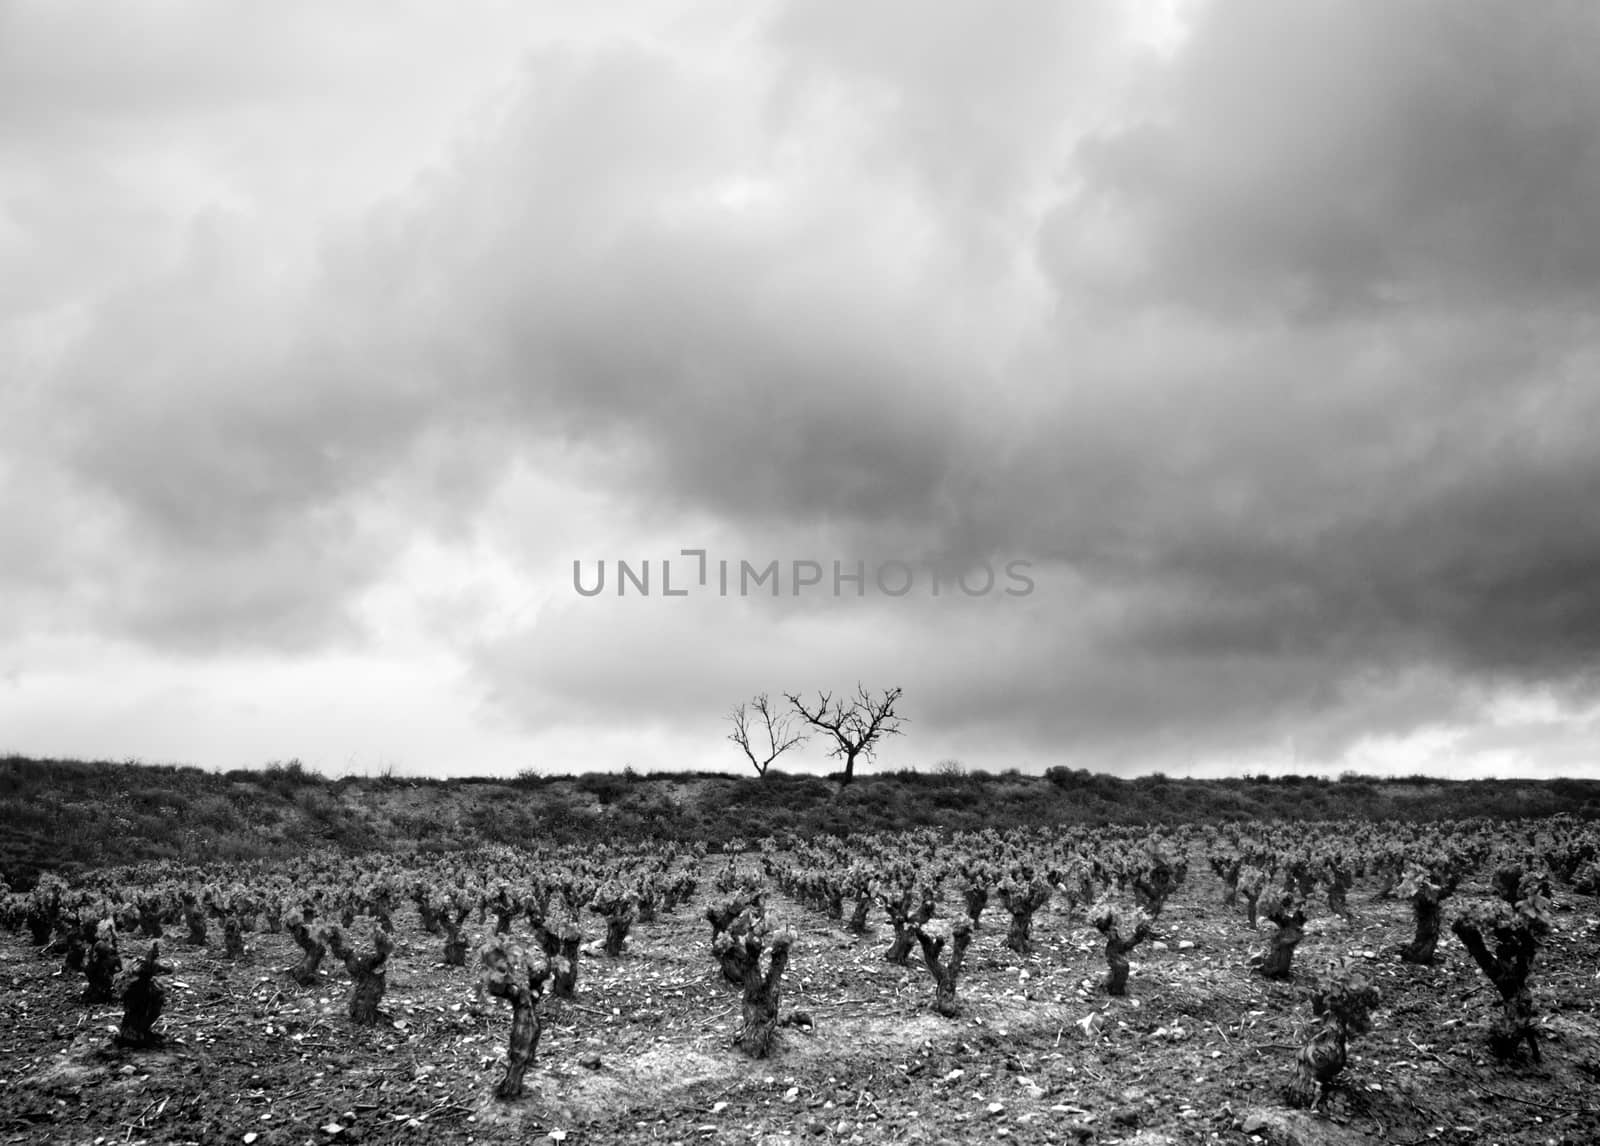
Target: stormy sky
[1265,333]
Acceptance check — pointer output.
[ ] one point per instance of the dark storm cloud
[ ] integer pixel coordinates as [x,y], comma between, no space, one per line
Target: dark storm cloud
[779,357]
[1378,499]
[1313,158]
[1275,355]
[1330,528]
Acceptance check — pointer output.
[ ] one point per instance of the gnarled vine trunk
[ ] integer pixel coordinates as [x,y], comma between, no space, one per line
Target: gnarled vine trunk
[733,919]
[1118,948]
[1022,903]
[1428,912]
[906,914]
[516,975]
[762,994]
[946,974]
[561,948]
[369,972]
[1507,968]
[976,899]
[305,971]
[455,943]
[1318,1063]
[1276,964]
[142,1000]
[195,920]
[101,969]
[232,937]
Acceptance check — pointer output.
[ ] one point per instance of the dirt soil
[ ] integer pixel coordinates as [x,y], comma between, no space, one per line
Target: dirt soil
[1199,1051]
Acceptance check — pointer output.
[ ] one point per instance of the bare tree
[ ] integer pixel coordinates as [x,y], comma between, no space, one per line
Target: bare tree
[856,726]
[782,734]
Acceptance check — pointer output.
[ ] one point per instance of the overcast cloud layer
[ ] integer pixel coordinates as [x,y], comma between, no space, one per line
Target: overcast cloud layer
[1267,331]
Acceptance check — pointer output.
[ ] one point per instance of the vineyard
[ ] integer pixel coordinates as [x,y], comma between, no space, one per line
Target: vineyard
[1293,982]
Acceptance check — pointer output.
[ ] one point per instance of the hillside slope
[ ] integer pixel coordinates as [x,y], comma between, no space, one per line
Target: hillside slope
[67,815]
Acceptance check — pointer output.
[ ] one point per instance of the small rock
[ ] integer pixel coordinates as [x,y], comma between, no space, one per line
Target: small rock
[1295,1128]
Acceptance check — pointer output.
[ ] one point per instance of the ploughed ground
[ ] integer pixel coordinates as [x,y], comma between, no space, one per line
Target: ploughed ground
[1200,1050]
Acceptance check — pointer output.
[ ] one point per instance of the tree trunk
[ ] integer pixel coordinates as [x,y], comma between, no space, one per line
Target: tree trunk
[507,975]
[1019,936]
[142,1000]
[524,1041]
[907,913]
[40,925]
[195,919]
[1508,970]
[616,933]
[977,898]
[1280,952]
[562,950]
[762,996]
[102,968]
[455,944]
[232,938]
[370,975]
[305,971]
[1022,900]
[1117,951]
[1421,949]
[1514,1027]
[1318,1063]
[728,924]
[149,922]
[945,976]
[77,946]
[899,952]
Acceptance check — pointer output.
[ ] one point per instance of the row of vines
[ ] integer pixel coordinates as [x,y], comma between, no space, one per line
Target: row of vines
[540,912]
